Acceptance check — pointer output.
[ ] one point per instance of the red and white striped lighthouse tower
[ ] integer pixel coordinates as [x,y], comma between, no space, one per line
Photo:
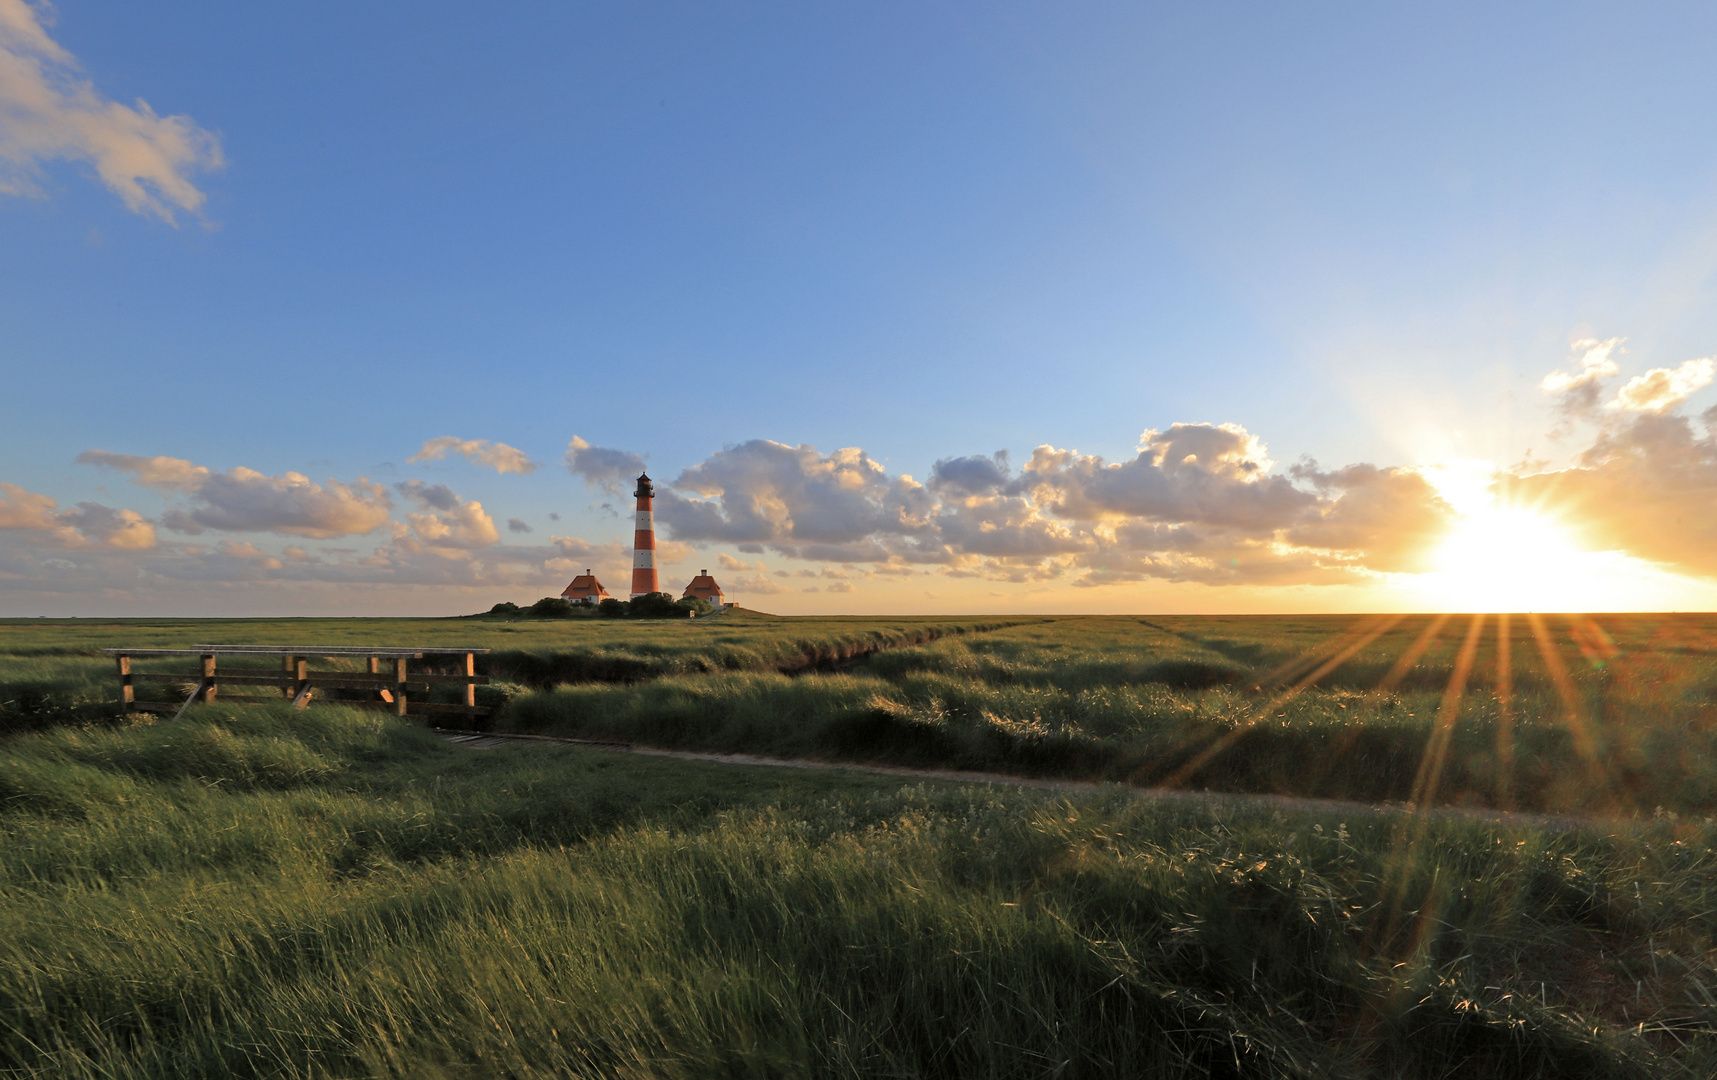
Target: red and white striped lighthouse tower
[644,540]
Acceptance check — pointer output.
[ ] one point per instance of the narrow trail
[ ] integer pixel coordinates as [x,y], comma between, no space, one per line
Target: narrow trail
[485,740]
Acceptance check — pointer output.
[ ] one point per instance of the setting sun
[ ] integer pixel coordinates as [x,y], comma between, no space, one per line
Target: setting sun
[1509,559]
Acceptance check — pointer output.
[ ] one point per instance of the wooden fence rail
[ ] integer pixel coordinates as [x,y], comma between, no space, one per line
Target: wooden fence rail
[395,688]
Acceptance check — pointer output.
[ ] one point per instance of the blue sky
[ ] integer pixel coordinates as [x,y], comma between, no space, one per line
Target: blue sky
[1363,235]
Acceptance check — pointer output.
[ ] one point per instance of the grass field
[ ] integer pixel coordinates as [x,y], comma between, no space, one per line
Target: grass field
[261,891]
[1575,715]
[258,891]
[52,670]
[1577,719]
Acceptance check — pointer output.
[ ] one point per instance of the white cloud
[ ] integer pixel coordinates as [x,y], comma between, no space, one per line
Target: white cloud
[21,509]
[603,467]
[1596,362]
[462,528]
[49,111]
[431,496]
[1199,502]
[167,473]
[756,586]
[1648,488]
[840,507]
[116,528]
[244,500]
[496,455]
[40,517]
[1661,388]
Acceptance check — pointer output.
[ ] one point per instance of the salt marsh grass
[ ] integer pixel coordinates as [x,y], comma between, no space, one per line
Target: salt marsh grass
[254,891]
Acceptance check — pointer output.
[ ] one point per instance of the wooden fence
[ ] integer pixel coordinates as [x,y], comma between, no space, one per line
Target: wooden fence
[394,687]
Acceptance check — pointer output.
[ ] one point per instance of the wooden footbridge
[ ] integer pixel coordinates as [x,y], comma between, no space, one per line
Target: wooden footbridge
[394,687]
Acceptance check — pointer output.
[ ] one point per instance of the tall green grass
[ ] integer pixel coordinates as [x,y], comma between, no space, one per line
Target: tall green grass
[52,671]
[1130,700]
[257,891]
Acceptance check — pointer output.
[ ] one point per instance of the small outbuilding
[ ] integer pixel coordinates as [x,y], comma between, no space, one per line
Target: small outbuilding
[703,587]
[585,589]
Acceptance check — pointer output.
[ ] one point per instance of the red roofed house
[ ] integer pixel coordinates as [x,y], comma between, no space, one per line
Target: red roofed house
[703,587]
[585,589]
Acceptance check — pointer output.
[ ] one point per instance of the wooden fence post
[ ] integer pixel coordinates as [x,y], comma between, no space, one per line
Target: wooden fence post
[208,691]
[399,688]
[301,688]
[469,670]
[127,696]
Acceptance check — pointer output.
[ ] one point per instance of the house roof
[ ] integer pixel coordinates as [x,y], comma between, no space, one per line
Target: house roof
[585,584]
[703,585]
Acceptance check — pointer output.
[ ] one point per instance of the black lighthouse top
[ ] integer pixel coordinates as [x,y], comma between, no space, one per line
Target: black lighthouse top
[646,490]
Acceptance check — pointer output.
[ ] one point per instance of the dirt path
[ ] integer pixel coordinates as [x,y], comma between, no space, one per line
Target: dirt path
[482,740]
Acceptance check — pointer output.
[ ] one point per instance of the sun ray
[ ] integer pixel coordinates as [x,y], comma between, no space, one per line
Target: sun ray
[1437,747]
[1366,629]
[1574,712]
[1356,639]
[1504,711]
[1405,662]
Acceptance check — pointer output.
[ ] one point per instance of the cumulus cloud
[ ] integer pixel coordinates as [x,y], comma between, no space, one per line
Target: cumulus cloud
[1597,361]
[462,528]
[448,525]
[40,516]
[1647,484]
[431,496]
[116,528]
[974,475]
[1661,388]
[49,111]
[839,507]
[603,467]
[1212,474]
[517,525]
[1199,502]
[21,509]
[1387,519]
[496,455]
[1648,487]
[756,586]
[244,500]
[162,473]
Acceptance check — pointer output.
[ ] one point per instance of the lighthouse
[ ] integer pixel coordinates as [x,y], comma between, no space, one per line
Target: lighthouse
[644,540]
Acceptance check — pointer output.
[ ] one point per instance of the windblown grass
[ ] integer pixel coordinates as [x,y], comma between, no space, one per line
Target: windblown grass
[1623,724]
[52,671]
[255,891]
